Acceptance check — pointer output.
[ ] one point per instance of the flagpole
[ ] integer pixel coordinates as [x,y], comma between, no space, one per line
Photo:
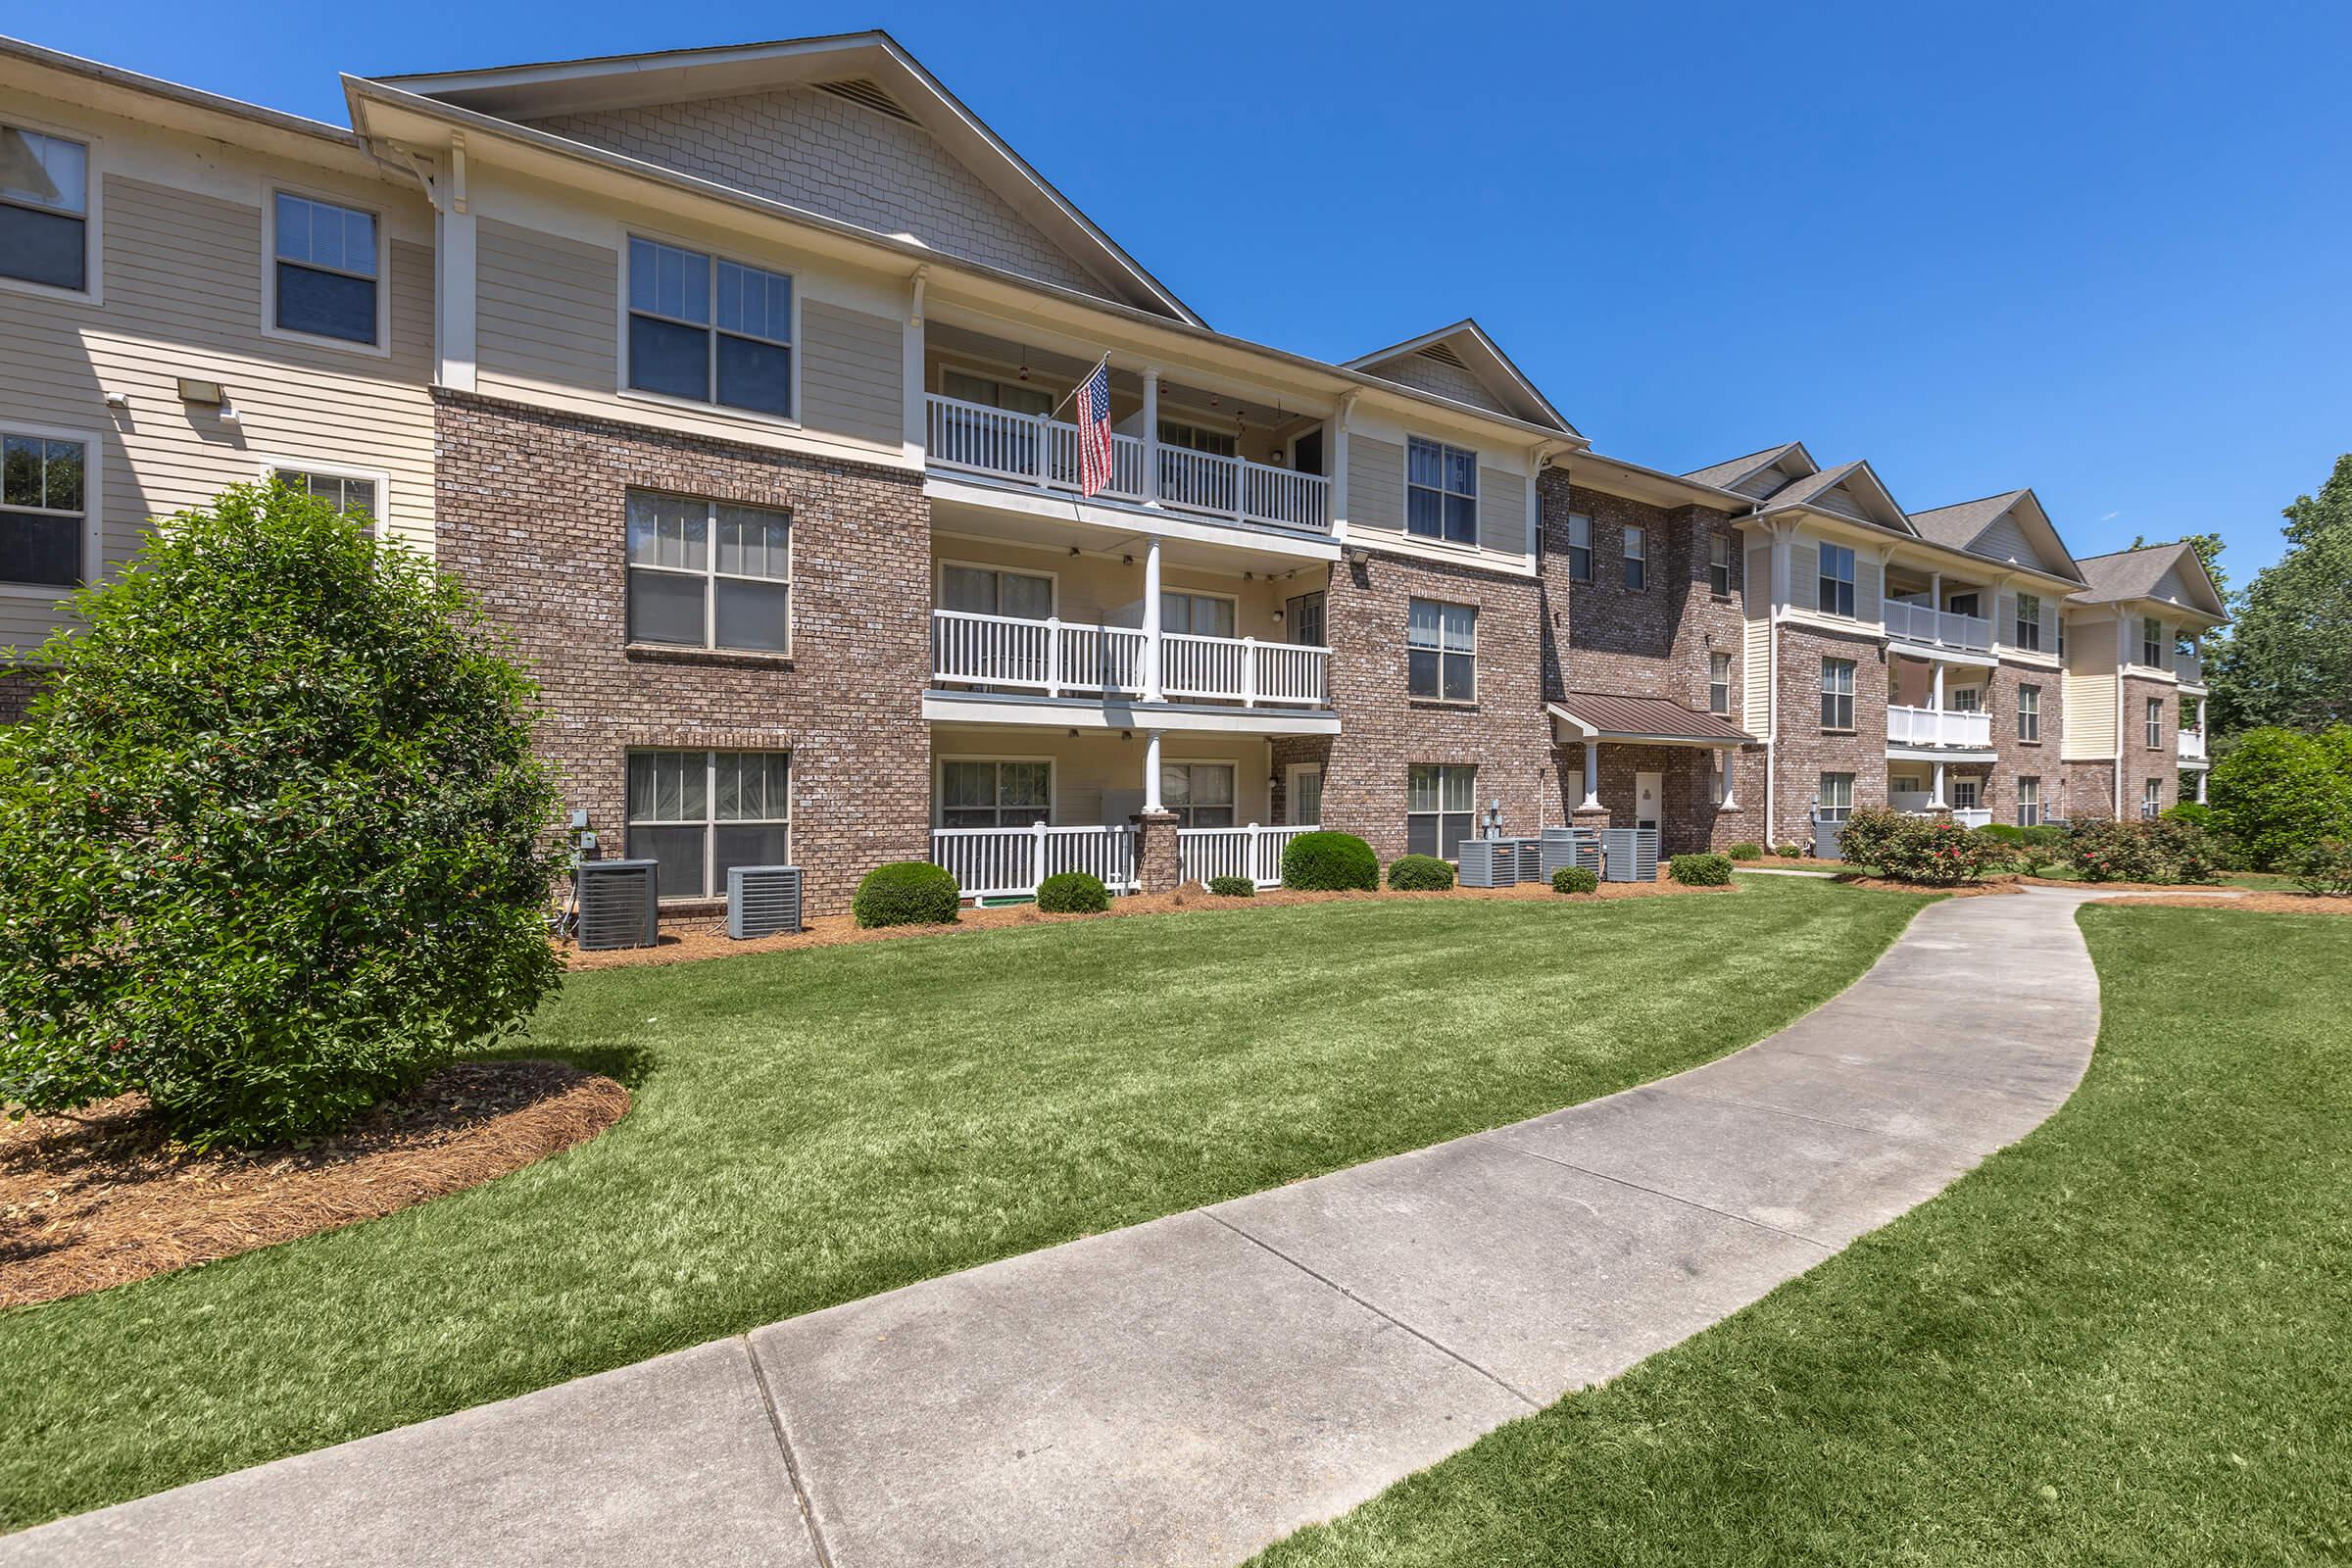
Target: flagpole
[1082,380]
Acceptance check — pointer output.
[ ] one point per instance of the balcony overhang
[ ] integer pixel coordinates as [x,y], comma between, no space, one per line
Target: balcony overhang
[1110,521]
[1640,721]
[1942,753]
[1905,648]
[1100,714]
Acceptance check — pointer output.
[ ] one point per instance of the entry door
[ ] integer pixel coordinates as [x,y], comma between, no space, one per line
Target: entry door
[1648,788]
[1302,800]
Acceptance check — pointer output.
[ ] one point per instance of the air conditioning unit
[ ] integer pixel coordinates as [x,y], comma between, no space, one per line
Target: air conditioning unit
[619,901]
[1488,862]
[1630,853]
[763,901]
[1564,847]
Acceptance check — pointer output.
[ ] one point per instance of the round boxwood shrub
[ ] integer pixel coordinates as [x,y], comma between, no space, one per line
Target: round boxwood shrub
[905,893]
[1419,873]
[1745,852]
[1074,892]
[1701,871]
[1233,887]
[1793,851]
[1575,879]
[273,840]
[1330,862]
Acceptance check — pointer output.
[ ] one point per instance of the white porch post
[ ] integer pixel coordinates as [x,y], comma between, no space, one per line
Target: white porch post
[1937,665]
[1592,799]
[1152,440]
[1155,677]
[1938,798]
[1152,772]
[1723,760]
[2203,774]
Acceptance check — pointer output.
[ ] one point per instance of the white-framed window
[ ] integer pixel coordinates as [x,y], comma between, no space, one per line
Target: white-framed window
[1836,694]
[705,330]
[1441,651]
[325,271]
[1964,795]
[1719,683]
[1198,614]
[1302,801]
[995,392]
[1719,564]
[45,211]
[1637,558]
[1836,580]
[2151,642]
[1441,491]
[1835,799]
[46,506]
[2151,797]
[700,813]
[2029,622]
[1188,437]
[971,589]
[2155,722]
[994,791]
[1200,794]
[1441,802]
[357,493]
[1964,604]
[709,573]
[1579,547]
[2029,713]
[1965,699]
[2028,801]
[1303,618]
[2062,635]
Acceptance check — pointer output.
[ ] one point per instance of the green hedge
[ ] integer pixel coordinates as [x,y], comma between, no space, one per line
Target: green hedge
[1745,852]
[1233,887]
[1420,873]
[1330,862]
[1575,879]
[1701,871]
[1074,892]
[2163,850]
[905,893]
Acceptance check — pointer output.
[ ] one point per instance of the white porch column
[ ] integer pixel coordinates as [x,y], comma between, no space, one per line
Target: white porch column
[1724,760]
[1938,798]
[1152,445]
[1935,594]
[1937,665]
[1155,681]
[1152,772]
[1592,799]
[2203,774]
[455,274]
[914,438]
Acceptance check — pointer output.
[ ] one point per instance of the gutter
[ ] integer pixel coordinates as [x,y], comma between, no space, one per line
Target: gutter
[193,97]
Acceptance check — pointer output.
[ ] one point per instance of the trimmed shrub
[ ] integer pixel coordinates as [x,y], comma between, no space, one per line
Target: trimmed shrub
[1701,871]
[2003,832]
[2325,868]
[1072,893]
[1419,873]
[273,841]
[1745,852]
[1869,833]
[1575,879]
[2162,851]
[1330,862]
[2032,850]
[1794,851]
[2277,791]
[905,893]
[1233,887]
[1934,852]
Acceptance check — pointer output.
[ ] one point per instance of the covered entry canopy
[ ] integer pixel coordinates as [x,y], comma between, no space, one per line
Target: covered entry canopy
[1592,716]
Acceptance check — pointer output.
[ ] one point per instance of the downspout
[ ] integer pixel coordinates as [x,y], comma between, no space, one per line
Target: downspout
[2122,641]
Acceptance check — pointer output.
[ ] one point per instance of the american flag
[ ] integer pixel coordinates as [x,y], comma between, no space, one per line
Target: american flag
[1092,403]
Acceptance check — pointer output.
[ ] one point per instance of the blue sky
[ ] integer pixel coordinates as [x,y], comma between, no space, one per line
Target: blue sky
[2101,251]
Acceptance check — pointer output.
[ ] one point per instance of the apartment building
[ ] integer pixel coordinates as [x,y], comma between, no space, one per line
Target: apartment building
[739,383]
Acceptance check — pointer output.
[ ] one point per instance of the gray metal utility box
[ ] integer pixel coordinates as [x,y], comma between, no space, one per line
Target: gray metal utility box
[1564,847]
[1630,853]
[763,901]
[619,902]
[1488,862]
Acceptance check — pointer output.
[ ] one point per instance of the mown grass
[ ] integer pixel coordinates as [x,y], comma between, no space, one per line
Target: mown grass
[813,1127]
[2122,1342]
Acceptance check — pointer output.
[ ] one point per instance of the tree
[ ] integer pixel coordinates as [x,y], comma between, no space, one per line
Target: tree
[2277,792]
[273,838]
[2289,658]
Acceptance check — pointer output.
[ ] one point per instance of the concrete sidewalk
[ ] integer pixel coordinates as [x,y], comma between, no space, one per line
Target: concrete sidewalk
[1187,1391]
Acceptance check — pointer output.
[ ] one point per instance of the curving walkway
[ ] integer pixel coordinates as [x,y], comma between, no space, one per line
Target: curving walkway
[1187,1391]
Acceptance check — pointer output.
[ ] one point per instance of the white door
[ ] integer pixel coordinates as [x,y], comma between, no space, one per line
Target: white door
[1302,800]
[1648,788]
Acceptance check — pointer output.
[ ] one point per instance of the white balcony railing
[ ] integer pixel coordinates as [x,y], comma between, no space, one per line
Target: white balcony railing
[2193,746]
[1070,657]
[1033,450]
[1254,852]
[990,863]
[1937,628]
[1933,726]
[2188,665]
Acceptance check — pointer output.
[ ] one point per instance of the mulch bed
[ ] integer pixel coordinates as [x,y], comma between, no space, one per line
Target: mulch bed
[2258,903]
[103,1196]
[1991,886]
[2080,886]
[686,943]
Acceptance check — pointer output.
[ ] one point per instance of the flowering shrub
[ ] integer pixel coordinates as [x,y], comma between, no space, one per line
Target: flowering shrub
[2324,868]
[1934,851]
[2165,850]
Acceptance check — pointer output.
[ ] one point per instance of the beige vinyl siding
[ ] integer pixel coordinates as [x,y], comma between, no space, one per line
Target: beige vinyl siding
[2171,586]
[852,374]
[2004,540]
[2089,691]
[1503,511]
[1375,484]
[1755,663]
[1870,586]
[1804,574]
[2004,626]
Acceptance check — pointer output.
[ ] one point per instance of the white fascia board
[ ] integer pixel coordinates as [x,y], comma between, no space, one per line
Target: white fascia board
[1118,713]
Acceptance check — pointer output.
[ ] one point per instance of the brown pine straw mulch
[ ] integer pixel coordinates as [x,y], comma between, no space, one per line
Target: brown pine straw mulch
[103,1198]
[686,941]
[2258,903]
[1989,887]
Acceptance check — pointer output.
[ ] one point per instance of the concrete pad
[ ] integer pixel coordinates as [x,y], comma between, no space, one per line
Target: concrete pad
[670,1461]
[2043,1064]
[1899,1104]
[1169,1393]
[1548,1278]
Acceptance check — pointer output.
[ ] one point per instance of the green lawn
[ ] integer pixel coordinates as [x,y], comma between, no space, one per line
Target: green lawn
[2122,1342]
[813,1127]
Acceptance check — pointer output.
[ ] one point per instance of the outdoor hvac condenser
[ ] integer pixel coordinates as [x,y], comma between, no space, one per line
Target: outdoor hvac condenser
[1564,847]
[763,901]
[1630,853]
[619,899]
[1488,862]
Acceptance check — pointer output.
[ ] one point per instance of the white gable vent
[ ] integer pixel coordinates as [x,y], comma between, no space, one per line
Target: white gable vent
[864,90]
[1443,356]
[763,901]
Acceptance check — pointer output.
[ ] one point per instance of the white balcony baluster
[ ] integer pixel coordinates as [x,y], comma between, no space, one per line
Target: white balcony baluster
[1005,862]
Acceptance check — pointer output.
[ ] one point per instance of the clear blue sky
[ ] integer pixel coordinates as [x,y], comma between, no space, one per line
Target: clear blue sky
[2103,251]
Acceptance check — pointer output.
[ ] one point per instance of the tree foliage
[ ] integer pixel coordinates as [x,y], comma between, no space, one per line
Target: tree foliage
[2289,658]
[272,839]
[2278,791]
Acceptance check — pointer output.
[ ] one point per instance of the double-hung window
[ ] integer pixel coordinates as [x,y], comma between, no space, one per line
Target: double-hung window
[1579,547]
[1719,564]
[2029,622]
[1836,694]
[1182,615]
[1442,650]
[44,514]
[1964,794]
[2028,802]
[1836,800]
[45,209]
[983,793]
[1836,580]
[1637,558]
[1200,794]
[1440,492]
[702,813]
[2151,642]
[1303,618]
[708,330]
[1440,803]
[2029,713]
[351,496]
[2151,798]
[324,270]
[1719,683]
[2155,722]
[707,575]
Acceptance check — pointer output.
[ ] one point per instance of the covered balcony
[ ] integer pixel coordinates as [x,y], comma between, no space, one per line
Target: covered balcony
[1926,611]
[1937,727]
[1935,710]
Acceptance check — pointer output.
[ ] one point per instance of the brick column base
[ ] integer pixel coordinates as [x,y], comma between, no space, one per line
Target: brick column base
[1596,817]
[1157,868]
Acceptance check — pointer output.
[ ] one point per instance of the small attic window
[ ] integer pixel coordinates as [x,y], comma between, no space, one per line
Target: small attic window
[1443,356]
[866,91]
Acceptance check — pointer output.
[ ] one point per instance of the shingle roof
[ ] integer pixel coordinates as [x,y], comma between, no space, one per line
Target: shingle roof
[1723,475]
[1616,717]
[2129,574]
[1959,526]
[1813,484]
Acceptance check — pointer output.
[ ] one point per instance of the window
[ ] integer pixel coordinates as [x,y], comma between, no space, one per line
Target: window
[1304,806]
[990,393]
[2151,642]
[991,591]
[2061,636]
[2029,713]
[1196,438]
[1442,650]
[974,792]
[1719,564]
[700,813]
[1836,694]
[1439,805]
[1198,614]
[707,575]
[2028,802]
[1303,615]
[1836,796]
[2155,718]
[1836,580]
[2151,798]
[1579,547]
[1966,700]
[45,209]
[1964,795]
[1637,558]
[1200,794]
[709,330]
[1719,683]
[2029,622]
[1441,500]
[43,513]
[324,270]
[351,495]
[1964,604]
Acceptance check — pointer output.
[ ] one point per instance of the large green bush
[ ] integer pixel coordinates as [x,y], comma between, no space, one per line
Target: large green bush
[1933,851]
[2165,850]
[1868,833]
[2277,791]
[273,838]
[1745,852]
[1074,892]
[905,893]
[2031,850]
[1575,879]
[1701,871]
[1420,873]
[1330,862]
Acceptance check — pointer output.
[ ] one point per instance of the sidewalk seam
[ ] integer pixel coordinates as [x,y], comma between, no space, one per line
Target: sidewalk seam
[1676,1197]
[792,1467]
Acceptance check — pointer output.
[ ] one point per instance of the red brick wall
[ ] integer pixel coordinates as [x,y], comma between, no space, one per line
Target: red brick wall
[531,514]
[1601,636]
[1807,751]
[2024,758]
[2143,761]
